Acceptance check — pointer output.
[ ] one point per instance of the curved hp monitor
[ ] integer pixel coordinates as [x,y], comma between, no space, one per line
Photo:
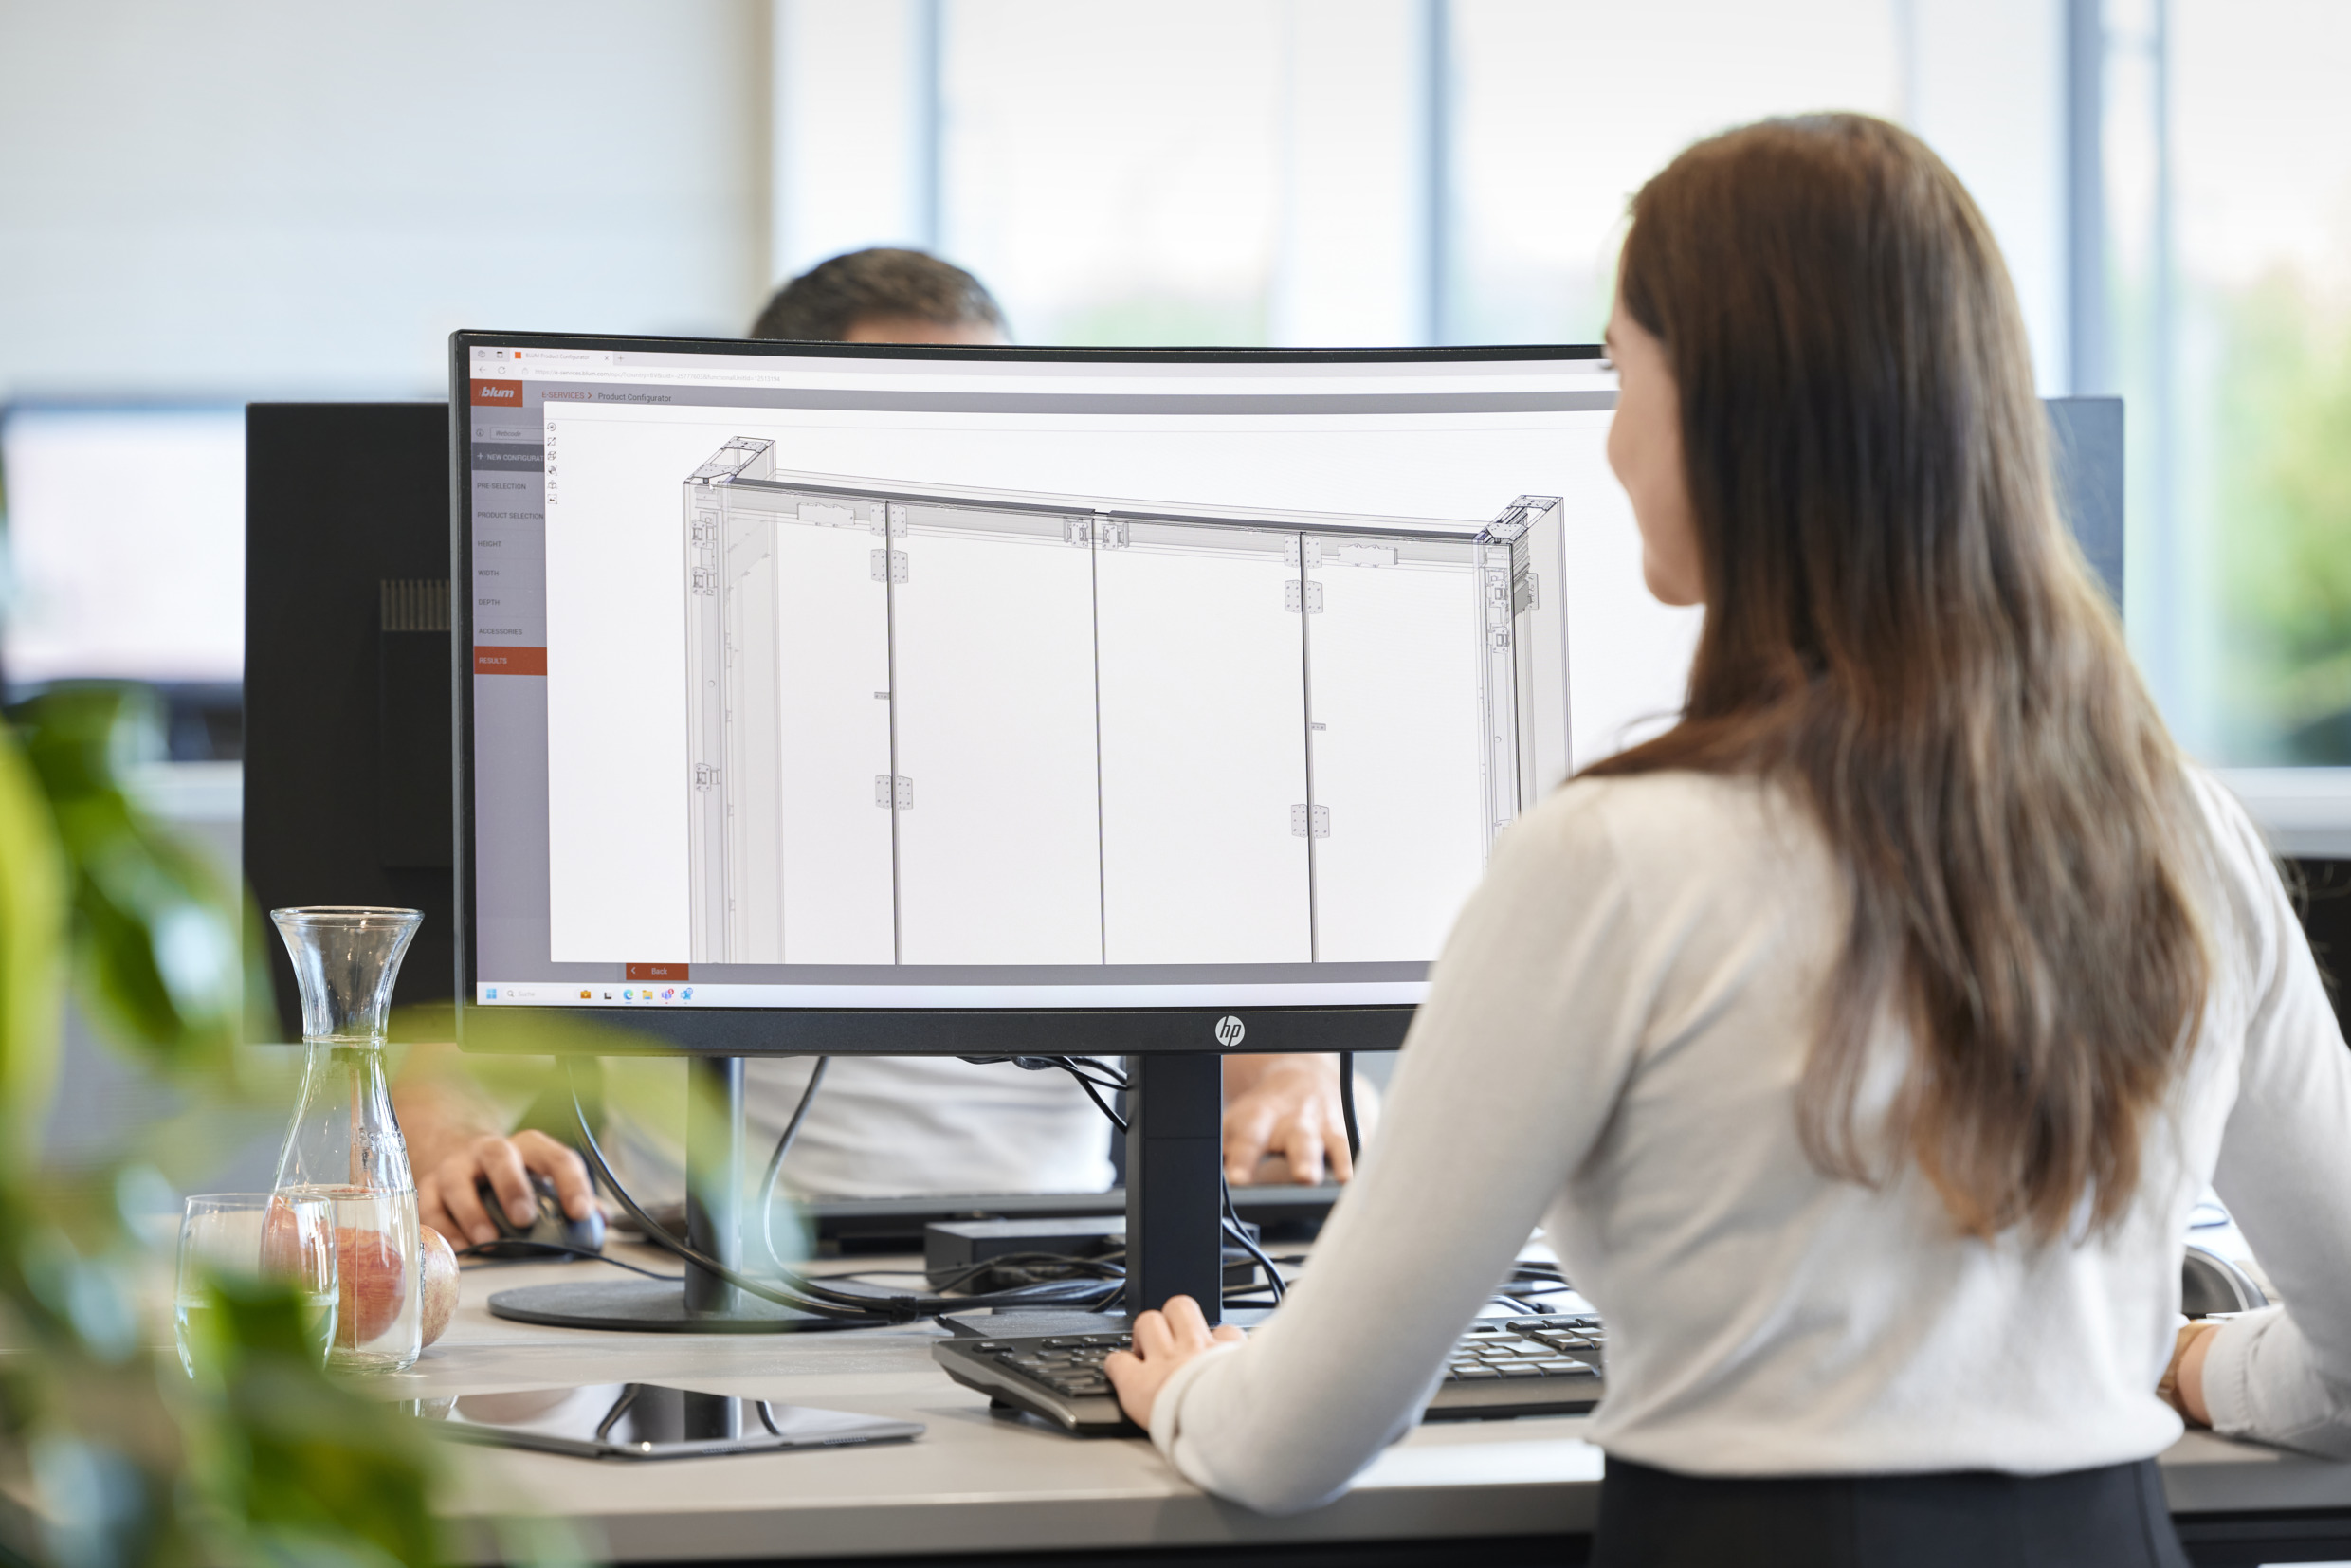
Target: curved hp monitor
[833,698]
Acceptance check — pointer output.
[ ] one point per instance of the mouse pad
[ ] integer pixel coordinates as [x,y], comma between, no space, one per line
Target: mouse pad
[649,1421]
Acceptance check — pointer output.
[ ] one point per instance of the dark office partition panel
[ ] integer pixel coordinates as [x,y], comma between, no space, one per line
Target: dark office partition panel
[2089,480]
[2322,898]
[347,673]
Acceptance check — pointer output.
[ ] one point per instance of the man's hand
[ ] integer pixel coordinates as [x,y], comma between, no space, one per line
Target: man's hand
[1163,1341]
[1285,1107]
[445,1196]
[456,1138]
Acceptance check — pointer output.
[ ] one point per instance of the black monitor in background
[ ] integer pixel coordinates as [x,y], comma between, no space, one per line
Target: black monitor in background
[347,672]
[2088,452]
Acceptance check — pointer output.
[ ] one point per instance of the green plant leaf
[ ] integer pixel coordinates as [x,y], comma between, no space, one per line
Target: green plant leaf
[157,942]
[32,936]
[297,1458]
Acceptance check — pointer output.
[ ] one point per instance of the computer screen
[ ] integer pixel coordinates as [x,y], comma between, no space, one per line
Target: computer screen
[126,535]
[820,696]
[126,525]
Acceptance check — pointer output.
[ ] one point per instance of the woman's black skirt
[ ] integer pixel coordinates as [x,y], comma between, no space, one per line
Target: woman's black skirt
[2112,1517]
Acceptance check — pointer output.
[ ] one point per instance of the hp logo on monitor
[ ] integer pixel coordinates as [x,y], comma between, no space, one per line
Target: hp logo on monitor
[1230,1031]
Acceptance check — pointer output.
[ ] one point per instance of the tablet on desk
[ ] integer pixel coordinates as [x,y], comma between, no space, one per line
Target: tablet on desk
[650,1421]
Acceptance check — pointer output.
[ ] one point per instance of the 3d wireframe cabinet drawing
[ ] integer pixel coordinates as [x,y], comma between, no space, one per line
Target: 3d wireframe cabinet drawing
[936,726]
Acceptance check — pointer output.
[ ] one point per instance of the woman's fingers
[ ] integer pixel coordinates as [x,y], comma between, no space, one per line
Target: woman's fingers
[1186,1323]
[1179,1326]
[1152,1336]
[1164,1341]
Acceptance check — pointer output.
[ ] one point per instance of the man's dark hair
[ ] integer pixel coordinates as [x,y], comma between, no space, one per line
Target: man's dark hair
[819,306]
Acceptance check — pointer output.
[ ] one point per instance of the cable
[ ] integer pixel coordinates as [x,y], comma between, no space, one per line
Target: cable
[659,1237]
[1104,1265]
[775,1162]
[1083,1068]
[798,1291]
[1346,1106]
[1087,1069]
[1232,1227]
[1112,1077]
[493,1252]
[1527,1278]
[1100,1104]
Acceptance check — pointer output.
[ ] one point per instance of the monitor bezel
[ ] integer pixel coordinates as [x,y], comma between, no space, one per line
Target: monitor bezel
[881,1031]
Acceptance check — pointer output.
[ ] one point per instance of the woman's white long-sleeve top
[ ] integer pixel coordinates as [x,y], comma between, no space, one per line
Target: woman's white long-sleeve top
[1610,1048]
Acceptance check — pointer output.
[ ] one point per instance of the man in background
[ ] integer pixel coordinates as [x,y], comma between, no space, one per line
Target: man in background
[884,296]
[877,1126]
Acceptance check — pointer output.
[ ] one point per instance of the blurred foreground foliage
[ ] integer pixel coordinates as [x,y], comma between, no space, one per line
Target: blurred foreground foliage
[110,1455]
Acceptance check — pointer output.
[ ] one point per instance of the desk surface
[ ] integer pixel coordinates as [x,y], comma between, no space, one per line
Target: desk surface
[975,1483]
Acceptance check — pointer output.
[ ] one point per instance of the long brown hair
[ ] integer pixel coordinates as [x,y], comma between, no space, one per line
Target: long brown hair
[1899,626]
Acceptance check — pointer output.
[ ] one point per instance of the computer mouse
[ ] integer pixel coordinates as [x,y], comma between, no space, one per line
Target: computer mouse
[554,1227]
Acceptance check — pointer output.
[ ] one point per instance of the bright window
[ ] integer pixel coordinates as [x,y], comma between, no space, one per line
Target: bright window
[2230,147]
[1551,134]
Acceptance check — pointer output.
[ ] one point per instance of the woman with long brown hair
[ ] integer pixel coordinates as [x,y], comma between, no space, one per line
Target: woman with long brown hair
[1863,1042]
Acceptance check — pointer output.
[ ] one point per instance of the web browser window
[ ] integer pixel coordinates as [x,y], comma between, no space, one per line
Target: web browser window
[811,681]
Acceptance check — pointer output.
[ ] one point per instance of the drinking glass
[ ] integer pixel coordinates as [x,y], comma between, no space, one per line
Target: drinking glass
[276,1239]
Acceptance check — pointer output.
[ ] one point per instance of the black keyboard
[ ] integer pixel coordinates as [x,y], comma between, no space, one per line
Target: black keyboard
[1502,1367]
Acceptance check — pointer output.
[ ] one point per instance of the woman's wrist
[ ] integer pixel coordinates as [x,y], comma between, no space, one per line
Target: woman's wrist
[2191,1375]
[2183,1387]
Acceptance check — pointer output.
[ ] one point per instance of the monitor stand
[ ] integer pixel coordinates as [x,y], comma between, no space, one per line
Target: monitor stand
[1174,1209]
[1174,1236]
[705,1303]
[1175,1165]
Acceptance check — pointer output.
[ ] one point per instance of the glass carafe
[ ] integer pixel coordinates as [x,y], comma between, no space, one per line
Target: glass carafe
[345,1144]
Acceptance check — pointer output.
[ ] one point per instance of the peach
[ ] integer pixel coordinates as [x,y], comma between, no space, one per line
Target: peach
[375,1279]
[439,1285]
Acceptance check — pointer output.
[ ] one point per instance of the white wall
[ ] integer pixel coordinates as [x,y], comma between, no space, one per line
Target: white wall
[260,197]
[1350,265]
[1985,87]
[849,130]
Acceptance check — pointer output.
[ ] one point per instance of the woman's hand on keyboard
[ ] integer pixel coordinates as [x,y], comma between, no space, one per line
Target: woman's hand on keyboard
[1163,1341]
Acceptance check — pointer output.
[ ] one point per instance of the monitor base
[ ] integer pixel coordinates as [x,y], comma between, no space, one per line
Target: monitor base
[654,1307]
